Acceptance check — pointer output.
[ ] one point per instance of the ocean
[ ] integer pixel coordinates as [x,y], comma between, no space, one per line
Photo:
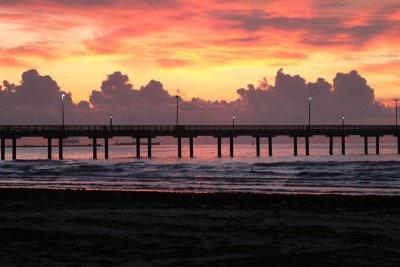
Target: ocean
[351,174]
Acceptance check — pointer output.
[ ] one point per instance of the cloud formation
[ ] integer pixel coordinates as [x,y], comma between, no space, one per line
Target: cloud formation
[37,99]
[201,38]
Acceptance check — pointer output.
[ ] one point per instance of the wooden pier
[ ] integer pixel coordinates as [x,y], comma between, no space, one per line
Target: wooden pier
[148,132]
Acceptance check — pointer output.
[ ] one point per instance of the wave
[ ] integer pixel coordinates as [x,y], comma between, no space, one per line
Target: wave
[362,176]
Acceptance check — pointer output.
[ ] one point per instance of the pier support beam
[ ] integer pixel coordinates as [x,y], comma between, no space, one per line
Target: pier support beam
[257,146]
[3,149]
[49,148]
[106,147]
[137,147]
[307,146]
[219,147]
[94,148]
[330,145]
[14,148]
[231,146]
[191,146]
[149,147]
[60,148]
[398,144]
[366,145]
[270,145]
[377,145]
[343,145]
[295,145]
[179,147]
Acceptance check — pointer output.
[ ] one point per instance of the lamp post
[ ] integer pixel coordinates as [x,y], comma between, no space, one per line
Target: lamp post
[233,121]
[309,111]
[343,121]
[396,111]
[110,121]
[62,109]
[177,111]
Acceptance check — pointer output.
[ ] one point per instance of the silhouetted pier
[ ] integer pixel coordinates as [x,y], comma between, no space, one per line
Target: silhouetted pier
[148,132]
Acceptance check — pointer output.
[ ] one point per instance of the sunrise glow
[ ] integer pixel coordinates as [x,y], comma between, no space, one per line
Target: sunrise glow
[205,49]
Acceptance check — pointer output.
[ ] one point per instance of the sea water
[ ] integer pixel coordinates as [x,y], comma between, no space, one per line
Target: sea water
[353,173]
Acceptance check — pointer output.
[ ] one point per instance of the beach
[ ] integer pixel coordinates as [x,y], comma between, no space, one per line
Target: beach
[115,228]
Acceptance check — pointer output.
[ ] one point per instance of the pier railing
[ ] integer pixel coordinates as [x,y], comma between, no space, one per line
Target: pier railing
[199,129]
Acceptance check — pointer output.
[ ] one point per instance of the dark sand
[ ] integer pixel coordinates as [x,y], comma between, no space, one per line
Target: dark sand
[92,228]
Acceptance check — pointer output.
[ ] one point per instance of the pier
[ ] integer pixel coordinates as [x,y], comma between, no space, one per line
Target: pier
[190,132]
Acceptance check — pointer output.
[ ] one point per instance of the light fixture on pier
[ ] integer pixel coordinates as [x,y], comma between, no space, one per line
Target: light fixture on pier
[62,108]
[309,111]
[110,120]
[177,110]
[396,111]
[343,121]
[233,120]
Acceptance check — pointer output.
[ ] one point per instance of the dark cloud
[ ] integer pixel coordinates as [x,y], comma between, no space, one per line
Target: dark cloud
[154,93]
[93,3]
[37,99]
[317,30]
[287,101]
[83,106]
[117,91]
[60,2]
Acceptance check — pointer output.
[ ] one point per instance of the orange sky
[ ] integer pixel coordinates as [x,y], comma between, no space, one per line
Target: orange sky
[205,48]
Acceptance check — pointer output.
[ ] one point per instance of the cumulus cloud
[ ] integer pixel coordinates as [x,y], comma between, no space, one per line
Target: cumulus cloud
[287,101]
[37,99]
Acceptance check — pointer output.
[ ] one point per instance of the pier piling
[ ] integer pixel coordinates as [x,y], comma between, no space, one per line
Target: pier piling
[179,147]
[377,145]
[398,144]
[49,148]
[106,147]
[191,146]
[258,146]
[343,145]
[14,148]
[219,147]
[295,145]
[60,148]
[231,146]
[149,147]
[366,145]
[94,148]
[137,147]
[270,145]
[307,146]
[3,149]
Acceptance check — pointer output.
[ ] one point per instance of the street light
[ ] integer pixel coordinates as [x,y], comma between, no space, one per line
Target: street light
[177,114]
[62,109]
[343,121]
[110,121]
[396,111]
[233,120]
[309,111]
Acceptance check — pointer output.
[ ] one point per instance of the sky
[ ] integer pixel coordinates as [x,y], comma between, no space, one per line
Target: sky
[131,57]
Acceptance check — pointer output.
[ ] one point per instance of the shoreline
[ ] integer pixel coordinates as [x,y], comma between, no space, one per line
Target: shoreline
[114,228]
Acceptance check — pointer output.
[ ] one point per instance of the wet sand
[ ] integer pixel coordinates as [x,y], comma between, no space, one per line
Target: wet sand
[94,228]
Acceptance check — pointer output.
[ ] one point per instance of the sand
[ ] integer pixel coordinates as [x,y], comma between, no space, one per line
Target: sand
[94,228]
